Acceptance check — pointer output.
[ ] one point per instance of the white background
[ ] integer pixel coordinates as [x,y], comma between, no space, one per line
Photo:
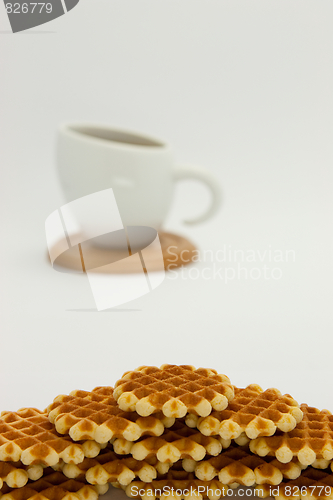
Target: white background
[241,87]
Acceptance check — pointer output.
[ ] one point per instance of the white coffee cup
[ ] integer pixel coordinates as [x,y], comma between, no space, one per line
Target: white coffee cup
[140,169]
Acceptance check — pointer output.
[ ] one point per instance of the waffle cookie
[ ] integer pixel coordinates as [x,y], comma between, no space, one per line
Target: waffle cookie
[53,486]
[16,474]
[253,412]
[29,437]
[310,441]
[237,465]
[95,415]
[174,390]
[175,443]
[312,484]
[108,467]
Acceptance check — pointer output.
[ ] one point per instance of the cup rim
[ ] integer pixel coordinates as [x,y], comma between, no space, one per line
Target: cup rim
[69,128]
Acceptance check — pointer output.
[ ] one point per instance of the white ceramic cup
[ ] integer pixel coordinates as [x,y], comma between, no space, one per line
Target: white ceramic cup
[140,169]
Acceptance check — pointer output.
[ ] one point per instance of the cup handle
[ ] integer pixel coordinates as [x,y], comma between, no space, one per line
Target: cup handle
[193,172]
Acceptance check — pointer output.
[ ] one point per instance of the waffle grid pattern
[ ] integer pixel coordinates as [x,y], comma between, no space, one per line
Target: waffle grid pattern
[16,475]
[95,415]
[312,439]
[27,435]
[174,390]
[313,484]
[108,468]
[54,486]
[176,443]
[238,465]
[254,412]
[167,428]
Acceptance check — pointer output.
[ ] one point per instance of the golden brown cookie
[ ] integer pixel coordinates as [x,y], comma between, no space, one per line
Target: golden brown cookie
[16,474]
[29,437]
[175,443]
[310,441]
[312,484]
[95,415]
[53,486]
[238,465]
[108,467]
[174,390]
[253,412]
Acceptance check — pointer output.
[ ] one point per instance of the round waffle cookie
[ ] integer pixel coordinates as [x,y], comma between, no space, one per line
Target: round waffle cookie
[175,443]
[108,467]
[174,390]
[311,484]
[311,440]
[252,413]
[237,465]
[95,415]
[29,437]
[16,474]
[53,486]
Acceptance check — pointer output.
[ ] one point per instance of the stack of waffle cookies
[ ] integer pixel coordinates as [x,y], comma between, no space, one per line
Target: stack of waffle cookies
[173,431]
